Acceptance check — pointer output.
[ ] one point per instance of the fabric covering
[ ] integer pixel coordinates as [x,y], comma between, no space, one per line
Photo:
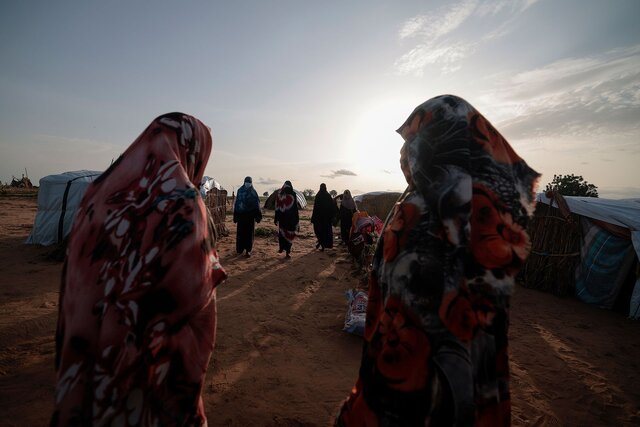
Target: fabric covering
[613,215]
[347,208]
[137,312]
[247,199]
[286,217]
[435,349]
[246,213]
[324,211]
[605,261]
[207,184]
[270,203]
[347,201]
[58,199]
[624,213]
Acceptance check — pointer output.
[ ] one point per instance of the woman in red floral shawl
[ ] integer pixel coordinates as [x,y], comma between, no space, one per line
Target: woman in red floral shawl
[137,318]
[435,349]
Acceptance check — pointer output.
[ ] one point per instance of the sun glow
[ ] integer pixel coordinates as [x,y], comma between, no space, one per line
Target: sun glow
[374,146]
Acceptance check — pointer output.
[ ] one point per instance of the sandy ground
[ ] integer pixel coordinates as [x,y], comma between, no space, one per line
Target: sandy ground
[281,357]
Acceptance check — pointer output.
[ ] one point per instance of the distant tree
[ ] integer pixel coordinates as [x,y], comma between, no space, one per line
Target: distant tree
[572,185]
[333,193]
[308,193]
[265,194]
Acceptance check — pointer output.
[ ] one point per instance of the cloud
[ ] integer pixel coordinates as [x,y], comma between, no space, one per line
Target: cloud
[594,96]
[619,192]
[448,20]
[266,181]
[340,172]
[440,40]
[419,57]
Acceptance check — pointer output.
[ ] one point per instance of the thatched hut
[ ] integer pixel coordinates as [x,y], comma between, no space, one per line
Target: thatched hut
[555,251]
[378,203]
[589,246]
[216,201]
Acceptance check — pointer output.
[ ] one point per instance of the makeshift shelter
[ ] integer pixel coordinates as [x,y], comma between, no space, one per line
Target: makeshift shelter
[215,197]
[363,237]
[207,184]
[270,203]
[58,198]
[586,244]
[377,203]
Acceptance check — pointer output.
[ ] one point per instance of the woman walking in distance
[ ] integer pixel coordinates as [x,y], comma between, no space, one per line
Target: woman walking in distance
[324,211]
[286,217]
[246,212]
[347,209]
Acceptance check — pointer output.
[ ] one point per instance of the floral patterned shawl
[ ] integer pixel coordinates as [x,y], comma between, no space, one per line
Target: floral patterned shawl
[435,348]
[137,315]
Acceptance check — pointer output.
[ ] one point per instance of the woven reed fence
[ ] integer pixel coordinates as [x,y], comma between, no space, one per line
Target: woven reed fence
[378,204]
[216,201]
[555,251]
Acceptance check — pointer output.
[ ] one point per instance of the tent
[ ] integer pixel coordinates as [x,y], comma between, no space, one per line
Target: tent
[215,198]
[58,198]
[378,203]
[589,244]
[270,203]
[207,184]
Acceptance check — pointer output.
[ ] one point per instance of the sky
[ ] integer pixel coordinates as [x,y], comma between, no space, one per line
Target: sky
[313,91]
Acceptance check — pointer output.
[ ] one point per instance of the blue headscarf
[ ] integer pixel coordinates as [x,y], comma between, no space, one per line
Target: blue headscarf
[247,198]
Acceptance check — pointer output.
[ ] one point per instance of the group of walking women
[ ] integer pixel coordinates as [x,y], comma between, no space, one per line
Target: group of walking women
[137,313]
[246,213]
[325,211]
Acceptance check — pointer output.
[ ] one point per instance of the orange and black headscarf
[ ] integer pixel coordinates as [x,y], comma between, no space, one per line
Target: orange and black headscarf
[444,269]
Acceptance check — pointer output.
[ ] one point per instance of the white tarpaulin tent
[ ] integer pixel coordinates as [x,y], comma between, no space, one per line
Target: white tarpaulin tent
[207,184]
[58,198]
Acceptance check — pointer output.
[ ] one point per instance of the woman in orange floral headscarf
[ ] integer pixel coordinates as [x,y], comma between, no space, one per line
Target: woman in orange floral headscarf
[137,318]
[435,349]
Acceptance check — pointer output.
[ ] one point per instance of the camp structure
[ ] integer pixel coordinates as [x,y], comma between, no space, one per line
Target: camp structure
[58,198]
[378,203]
[215,197]
[587,246]
[270,203]
[60,195]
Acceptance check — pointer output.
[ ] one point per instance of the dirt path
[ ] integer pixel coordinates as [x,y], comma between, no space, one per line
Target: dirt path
[281,358]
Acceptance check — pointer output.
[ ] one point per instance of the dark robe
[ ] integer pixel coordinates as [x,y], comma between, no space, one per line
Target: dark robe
[345,223]
[286,217]
[324,211]
[246,210]
[245,227]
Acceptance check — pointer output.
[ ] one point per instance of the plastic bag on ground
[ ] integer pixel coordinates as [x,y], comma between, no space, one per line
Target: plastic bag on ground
[356,311]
